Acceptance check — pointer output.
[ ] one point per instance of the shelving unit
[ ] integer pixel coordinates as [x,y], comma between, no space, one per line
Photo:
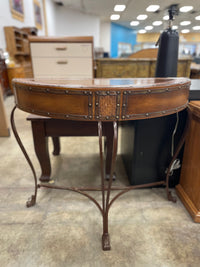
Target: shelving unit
[17,45]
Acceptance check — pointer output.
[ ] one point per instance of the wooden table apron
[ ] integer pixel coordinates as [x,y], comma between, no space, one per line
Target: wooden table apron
[101,100]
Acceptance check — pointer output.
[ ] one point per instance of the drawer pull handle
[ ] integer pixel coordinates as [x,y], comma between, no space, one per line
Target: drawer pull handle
[62,62]
[61,48]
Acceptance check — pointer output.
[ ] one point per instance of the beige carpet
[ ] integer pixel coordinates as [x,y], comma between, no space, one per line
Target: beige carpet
[64,228]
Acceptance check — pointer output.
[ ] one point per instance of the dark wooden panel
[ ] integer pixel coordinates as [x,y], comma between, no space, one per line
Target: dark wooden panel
[103,99]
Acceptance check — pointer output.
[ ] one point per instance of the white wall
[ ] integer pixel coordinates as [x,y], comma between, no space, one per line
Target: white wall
[105,35]
[50,17]
[6,18]
[61,21]
[70,22]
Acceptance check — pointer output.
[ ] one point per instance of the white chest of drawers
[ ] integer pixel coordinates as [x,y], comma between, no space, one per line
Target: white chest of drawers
[62,57]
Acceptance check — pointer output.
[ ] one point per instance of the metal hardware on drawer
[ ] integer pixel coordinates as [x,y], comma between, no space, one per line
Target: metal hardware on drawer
[62,62]
[61,48]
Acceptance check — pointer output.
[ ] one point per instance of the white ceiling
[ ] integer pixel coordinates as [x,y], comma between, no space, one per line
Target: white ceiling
[104,8]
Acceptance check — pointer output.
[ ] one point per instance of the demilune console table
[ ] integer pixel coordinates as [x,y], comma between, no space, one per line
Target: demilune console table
[100,101]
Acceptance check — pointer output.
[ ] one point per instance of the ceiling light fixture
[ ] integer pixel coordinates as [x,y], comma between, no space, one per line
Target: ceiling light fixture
[185,31]
[142,31]
[174,27]
[152,8]
[148,28]
[196,28]
[166,17]
[185,23]
[114,17]
[142,17]
[197,18]
[119,8]
[157,23]
[186,8]
[134,23]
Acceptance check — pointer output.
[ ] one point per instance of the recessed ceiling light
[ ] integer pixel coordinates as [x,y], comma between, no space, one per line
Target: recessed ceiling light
[119,8]
[166,17]
[157,23]
[197,18]
[174,27]
[185,23]
[196,28]
[186,8]
[142,31]
[142,17]
[134,23]
[148,28]
[114,17]
[185,31]
[152,8]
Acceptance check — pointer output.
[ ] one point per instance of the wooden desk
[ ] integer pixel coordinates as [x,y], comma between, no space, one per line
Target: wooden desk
[99,101]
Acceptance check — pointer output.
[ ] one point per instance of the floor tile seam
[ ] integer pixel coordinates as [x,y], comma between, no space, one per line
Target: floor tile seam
[19,223]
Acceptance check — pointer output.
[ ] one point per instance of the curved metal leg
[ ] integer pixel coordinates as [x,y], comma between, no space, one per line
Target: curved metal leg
[106,199]
[180,145]
[32,200]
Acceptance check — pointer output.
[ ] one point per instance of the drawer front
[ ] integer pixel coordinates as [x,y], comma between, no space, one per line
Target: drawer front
[62,67]
[61,49]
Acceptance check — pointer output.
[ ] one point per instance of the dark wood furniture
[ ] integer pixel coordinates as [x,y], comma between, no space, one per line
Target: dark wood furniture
[4,129]
[44,127]
[189,187]
[98,101]
[4,78]
[15,72]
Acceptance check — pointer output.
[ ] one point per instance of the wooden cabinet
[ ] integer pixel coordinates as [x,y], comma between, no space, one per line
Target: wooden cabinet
[15,72]
[135,68]
[17,45]
[189,187]
[4,78]
[4,130]
[16,41]
[67,57]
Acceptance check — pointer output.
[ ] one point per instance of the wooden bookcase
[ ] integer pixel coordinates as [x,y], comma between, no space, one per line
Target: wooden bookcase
[17,45]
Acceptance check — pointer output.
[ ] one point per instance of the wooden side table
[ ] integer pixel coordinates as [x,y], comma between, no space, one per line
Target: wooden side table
[189,187]
[44,127]
[99,101]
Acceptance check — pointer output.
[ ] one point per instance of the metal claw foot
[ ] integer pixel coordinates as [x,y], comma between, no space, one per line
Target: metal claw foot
[106,242]
[171,198]
[31,201]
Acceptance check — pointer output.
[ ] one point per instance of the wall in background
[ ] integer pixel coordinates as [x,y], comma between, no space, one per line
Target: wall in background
[120,34]
[105,33]
[50,17]
[6,18]
[69,22]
